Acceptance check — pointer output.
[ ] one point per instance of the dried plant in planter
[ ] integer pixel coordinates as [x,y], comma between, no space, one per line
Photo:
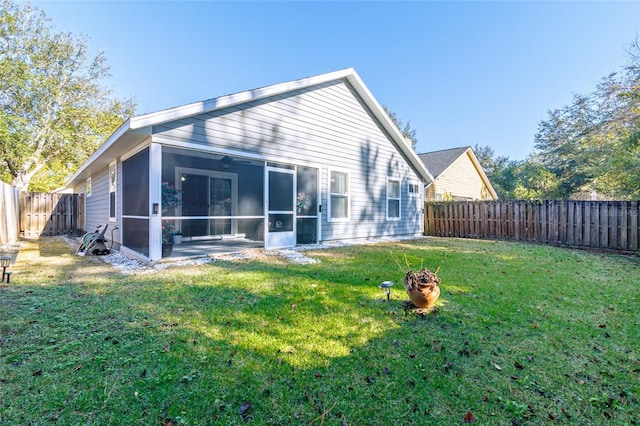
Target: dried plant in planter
[423,288]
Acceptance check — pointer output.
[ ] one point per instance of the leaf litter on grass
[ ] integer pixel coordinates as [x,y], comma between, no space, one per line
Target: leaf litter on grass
[563,380]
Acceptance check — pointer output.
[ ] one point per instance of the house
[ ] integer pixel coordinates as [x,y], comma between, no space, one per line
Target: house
[307,161]
[458,176]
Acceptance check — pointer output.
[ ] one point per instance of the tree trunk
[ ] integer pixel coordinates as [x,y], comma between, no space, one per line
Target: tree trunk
[23,178]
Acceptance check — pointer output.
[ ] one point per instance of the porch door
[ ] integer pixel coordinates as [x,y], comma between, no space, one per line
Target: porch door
[280,202]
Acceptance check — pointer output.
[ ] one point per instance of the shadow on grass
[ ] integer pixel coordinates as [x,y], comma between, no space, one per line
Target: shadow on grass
[232,342]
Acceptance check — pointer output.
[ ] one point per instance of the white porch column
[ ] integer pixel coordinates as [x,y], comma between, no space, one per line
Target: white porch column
[155,202]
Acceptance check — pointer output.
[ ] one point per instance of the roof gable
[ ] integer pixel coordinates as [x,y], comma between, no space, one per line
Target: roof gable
[138,127]
[437,162]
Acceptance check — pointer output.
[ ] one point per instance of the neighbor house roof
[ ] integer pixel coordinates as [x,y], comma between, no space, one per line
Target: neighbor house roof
[138,128]
[437,162]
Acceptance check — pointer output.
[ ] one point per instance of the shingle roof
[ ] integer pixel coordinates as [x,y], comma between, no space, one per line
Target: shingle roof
[438,161]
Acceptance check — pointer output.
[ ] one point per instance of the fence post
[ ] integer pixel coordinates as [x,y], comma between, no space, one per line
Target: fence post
[517,217]
[613,220]
[9,214]
[587,223]
[635,232]
[623,243]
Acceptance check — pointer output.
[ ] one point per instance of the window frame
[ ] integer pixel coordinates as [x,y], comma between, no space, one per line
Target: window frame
[87,188]
[417,193]
[113,186]
[346,195]
[398,198]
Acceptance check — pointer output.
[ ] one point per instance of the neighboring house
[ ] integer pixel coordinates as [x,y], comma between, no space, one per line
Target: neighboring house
[314,160]
[458,176]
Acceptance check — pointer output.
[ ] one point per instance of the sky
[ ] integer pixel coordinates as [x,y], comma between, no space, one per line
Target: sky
[461,73]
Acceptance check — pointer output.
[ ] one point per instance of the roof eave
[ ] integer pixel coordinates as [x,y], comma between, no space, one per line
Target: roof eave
[209,105]
[124,127]
[146,121]
[384,119]
[349,74]
[483,175]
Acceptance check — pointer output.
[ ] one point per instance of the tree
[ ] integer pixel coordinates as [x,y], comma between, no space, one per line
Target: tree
[594,142]
[405,128]
[525,180]
[516,180]
[491,164]
[53,109]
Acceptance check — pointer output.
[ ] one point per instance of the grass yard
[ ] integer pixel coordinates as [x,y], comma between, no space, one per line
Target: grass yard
[524,334]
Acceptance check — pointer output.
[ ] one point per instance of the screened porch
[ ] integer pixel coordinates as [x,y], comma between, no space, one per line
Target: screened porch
[217,203]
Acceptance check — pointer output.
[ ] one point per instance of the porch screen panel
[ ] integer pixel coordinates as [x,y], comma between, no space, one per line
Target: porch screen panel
[280,190]
[307,192]
[135,235]
[135,202]
[306,205]
[135,185]
[306,230]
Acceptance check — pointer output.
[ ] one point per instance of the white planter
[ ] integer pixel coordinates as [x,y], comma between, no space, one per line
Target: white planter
[177,239]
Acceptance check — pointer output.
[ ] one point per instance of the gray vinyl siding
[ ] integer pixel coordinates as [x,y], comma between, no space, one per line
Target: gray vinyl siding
[97,205]
[326,126]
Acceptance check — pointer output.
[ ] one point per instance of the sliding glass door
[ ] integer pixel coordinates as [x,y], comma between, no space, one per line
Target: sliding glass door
[209,201]
[220,203]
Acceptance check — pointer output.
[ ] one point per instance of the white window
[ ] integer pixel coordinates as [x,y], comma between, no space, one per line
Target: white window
[393,199]
[88,188]
[413,189]
[112,191]
[439,196]
[338,196]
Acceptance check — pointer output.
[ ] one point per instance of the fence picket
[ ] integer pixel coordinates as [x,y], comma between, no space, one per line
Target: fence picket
[44,215]
[623,219]
[587,224]
[598,224]
[633,226]
[570,221]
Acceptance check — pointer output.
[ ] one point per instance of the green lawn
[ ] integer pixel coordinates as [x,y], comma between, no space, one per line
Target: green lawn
[524,334]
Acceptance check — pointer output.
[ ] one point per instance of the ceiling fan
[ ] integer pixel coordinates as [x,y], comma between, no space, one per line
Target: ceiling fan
[226,161]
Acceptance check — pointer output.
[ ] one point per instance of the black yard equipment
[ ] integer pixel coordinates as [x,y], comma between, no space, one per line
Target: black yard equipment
[94,242]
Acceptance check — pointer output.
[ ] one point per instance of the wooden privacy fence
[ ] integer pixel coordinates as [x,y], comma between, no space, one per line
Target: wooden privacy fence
[597,224]
[43,214]
[9,214]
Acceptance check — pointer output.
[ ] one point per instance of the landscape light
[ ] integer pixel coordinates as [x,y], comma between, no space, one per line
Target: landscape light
[386,286]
